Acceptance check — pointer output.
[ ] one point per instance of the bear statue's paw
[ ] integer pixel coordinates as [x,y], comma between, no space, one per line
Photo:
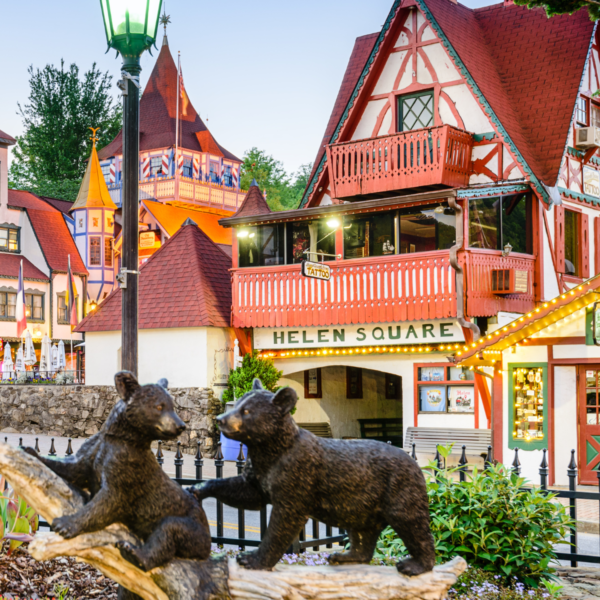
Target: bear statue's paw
[411,568]
[249,560]
[66,527]
[130,553]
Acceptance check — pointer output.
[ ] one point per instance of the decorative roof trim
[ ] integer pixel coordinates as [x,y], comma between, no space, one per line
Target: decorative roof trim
[577,196]
[580,154]
[493,191]
[358,87]
[480,137]
[482,99]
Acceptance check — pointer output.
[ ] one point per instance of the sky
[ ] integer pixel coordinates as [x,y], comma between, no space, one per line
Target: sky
[261,74]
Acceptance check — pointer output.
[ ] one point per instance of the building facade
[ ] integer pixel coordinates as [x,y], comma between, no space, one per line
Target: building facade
[449,197]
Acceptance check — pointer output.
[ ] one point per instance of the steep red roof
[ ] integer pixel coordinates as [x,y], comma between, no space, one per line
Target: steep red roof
[7,139]
[63,205]
[362,49]
[11,263]
[195,292]
[533,54]
[158,113]
[51,231]
[254,204]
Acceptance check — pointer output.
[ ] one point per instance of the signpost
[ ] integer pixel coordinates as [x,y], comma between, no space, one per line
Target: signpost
[316,270]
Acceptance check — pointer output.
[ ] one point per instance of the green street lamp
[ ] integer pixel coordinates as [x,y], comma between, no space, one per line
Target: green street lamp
[131,27]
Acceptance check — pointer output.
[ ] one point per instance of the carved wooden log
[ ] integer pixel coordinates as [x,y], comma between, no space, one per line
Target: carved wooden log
[215,579]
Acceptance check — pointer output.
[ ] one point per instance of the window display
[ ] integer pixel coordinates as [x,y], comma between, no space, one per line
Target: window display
[441,388]
[528,406]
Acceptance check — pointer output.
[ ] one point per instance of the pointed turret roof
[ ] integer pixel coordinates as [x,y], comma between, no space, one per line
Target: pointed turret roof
[254,203]
[158,114]
[93,192]
[195,292]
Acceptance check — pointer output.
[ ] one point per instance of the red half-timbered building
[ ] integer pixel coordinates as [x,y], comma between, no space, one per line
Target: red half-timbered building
[456,189]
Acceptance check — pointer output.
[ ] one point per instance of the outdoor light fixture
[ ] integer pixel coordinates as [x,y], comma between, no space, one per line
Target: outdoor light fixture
[333,223]
[93,305]
[507,250]
[130,27]
[439,209]
[242,233]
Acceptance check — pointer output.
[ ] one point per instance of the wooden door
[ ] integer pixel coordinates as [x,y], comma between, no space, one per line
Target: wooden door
[589,424]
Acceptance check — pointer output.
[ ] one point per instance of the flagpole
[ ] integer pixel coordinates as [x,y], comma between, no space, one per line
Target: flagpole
[72,301]
[177,127]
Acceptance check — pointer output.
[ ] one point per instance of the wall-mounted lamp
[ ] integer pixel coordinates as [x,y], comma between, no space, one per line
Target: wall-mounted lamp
[333,223]
[507,250]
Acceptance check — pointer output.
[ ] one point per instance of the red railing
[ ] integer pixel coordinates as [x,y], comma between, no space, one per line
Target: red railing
[370,290]
[481,300]
[438,156]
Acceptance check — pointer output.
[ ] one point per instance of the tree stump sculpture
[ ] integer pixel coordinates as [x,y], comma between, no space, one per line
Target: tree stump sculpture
[214,579]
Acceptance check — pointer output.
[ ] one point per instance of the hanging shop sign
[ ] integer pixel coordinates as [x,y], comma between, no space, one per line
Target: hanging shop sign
[346,336]
[147,239]
[591,182]
[316,270]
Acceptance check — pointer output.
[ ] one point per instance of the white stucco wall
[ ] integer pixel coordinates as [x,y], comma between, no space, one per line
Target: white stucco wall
[186,357]
[565,419]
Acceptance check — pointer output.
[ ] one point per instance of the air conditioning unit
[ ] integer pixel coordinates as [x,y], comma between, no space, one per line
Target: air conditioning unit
[510,281]
[587,137]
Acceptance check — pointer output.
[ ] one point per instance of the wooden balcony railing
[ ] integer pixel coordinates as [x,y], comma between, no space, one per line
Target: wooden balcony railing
[425,158]
[481,300]
[369,290]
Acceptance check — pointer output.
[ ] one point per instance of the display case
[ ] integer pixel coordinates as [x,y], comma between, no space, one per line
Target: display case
[441,388]
[528,406]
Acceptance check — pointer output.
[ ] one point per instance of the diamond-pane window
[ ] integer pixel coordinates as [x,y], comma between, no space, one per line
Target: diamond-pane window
[415,111]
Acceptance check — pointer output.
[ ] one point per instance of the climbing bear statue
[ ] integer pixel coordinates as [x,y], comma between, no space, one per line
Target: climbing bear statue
[362,486]
[123,482]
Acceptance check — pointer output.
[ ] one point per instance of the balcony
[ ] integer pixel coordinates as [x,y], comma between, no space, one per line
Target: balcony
[191,191]
[423,159]
[402,287]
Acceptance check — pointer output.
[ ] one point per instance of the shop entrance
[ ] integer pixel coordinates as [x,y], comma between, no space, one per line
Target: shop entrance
[589,424]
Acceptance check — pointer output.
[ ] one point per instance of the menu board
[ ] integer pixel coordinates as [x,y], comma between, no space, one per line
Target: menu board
[528,403]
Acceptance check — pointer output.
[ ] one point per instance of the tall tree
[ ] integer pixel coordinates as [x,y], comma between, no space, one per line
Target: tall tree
[283,192]
[49,158]
[562,7]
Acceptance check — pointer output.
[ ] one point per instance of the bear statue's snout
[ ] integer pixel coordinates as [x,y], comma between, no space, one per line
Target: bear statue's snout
[170,425]
[230,422]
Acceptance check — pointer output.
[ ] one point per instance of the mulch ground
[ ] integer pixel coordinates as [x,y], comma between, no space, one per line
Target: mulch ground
[23,578]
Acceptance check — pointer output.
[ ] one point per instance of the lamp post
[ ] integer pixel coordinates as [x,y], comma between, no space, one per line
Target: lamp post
[131,27]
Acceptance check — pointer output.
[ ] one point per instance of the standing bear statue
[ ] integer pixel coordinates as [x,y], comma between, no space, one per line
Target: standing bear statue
[362,486]
[118,473]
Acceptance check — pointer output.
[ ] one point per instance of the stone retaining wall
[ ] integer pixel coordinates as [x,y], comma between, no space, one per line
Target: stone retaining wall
[78,411]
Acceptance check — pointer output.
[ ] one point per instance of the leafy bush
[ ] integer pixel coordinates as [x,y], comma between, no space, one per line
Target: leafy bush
[240,379]
[492,523]
[18,521]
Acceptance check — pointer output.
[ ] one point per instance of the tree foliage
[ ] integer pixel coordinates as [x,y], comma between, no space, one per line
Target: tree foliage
[562,7]
[253,367]
[49,158]
[284,192]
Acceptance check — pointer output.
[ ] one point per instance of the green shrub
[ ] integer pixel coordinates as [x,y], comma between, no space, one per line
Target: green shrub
[240,379]
[492,523]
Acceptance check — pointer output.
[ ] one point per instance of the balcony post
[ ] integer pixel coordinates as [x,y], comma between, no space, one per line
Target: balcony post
[339,241]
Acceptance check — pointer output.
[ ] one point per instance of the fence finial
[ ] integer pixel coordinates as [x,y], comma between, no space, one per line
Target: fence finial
[544,470]
[516,463]
[573,464]
[414,451]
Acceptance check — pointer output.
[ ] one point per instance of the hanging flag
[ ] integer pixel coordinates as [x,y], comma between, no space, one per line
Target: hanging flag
[196,167]
[112,178]
[71,299]
[165,163]
[20,307]
[145,168]
[183,97]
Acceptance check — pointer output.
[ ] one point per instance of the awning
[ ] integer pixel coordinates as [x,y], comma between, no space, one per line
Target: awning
[488,349]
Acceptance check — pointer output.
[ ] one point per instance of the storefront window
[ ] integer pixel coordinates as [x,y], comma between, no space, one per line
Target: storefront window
[372,235]
[261,246]
[427,228]
[496,222]
[571,242]
[314,240]
[528,406]
[445,389]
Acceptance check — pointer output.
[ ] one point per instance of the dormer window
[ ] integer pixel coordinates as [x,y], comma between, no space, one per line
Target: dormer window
[9,239]
[415,111]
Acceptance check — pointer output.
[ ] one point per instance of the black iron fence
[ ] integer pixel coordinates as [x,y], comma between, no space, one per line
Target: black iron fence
[307,539]
[311,537]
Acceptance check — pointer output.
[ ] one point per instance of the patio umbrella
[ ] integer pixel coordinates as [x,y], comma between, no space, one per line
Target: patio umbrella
[20,362]
[29,358]
[54,359]
[62,360]
[46,356]
[7,365]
